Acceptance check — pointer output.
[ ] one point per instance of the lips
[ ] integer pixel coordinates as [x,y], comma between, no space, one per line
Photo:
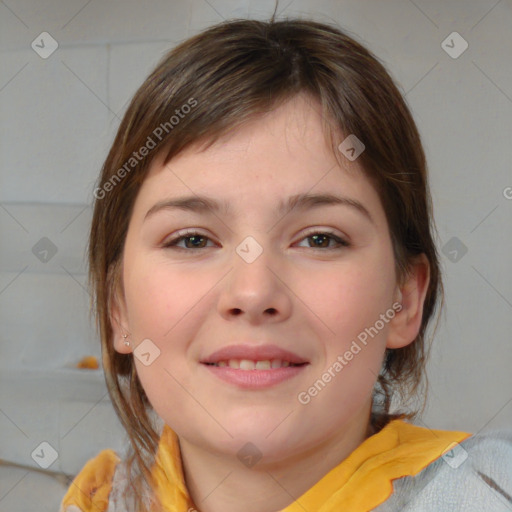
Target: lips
[254,367]
[254,353]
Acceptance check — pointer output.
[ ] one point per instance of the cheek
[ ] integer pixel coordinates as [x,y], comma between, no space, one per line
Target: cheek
[354,297]
[354,348]
[158,295]
[160,302]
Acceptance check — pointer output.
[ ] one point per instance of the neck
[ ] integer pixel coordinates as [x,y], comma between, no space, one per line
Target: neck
[218,482]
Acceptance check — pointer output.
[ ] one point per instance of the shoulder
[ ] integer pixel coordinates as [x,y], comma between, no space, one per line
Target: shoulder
[90,489]
[473,475]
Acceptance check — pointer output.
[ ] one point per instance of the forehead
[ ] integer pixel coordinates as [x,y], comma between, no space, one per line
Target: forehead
[268,159]
[293,131]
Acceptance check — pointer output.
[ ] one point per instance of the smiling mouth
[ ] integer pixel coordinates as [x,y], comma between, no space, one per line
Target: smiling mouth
[247,364]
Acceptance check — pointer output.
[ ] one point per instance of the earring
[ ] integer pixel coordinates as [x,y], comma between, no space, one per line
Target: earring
[127,343]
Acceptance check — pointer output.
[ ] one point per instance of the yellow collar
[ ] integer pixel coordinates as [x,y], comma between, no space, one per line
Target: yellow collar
[359,483]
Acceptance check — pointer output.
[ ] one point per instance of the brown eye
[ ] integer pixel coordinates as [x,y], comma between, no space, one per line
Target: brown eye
[322,239]
[192,239]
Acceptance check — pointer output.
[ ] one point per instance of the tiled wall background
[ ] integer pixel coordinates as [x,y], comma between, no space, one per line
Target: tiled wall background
[58,117]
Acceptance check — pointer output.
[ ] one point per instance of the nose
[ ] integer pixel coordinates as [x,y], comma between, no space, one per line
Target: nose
[256,290]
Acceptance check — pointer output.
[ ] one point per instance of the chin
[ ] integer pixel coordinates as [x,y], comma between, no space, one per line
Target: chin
[256,448]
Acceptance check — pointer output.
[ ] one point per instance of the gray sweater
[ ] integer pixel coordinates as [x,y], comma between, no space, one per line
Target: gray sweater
[476,476]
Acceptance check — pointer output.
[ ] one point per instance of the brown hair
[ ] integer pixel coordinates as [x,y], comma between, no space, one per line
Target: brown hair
[225,76]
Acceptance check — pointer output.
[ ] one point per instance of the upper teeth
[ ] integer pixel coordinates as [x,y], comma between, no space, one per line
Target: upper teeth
[247,364]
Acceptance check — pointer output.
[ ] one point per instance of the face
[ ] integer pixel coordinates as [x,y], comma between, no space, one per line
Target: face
[300,287]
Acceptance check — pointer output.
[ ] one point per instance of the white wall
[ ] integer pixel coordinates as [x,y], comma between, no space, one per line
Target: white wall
[58,117]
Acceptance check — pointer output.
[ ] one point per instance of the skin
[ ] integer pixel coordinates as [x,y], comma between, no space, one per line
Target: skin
[313,301]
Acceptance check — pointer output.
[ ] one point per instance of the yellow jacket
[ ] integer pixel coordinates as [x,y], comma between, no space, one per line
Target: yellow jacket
[360,483]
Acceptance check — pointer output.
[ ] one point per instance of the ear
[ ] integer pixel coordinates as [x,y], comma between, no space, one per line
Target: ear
[406,323]
[119,321]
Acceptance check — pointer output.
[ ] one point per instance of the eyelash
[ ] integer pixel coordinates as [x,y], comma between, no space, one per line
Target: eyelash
[172,244]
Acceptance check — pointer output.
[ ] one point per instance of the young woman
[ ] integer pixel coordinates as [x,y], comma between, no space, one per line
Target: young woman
[264,269]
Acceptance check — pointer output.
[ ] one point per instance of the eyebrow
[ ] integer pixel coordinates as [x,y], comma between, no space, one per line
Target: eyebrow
[298,202]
